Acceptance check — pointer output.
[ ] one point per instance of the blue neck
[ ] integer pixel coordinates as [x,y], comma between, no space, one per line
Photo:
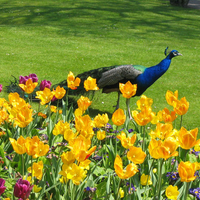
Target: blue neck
[151,74]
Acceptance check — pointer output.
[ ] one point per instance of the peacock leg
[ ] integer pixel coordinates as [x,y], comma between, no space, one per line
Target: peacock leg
[117,106]
[128,108]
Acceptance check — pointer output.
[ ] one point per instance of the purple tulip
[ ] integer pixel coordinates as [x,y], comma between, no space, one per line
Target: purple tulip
[33,77]
[2,187]
[1,87]
[22,189]
[23,79]
[45,84]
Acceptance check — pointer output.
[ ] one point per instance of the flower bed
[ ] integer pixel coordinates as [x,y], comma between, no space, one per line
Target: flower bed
[53,153]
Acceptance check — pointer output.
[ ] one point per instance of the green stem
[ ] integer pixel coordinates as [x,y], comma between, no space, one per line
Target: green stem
[186,190]
[160,178]
[143,142]
[181,121]
[22,156]
[118,195]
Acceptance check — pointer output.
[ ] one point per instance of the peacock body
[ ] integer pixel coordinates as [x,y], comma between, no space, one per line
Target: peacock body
[108,78]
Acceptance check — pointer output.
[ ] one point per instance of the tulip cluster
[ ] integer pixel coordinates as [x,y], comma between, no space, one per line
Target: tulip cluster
[71,155]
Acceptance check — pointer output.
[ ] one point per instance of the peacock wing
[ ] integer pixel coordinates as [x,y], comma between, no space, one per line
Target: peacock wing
[119,73]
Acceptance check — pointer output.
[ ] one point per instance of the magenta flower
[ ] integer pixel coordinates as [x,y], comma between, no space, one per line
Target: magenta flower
[22,189]
[1,87]
[33,77]
[2,187]
[45,84]
[23,79]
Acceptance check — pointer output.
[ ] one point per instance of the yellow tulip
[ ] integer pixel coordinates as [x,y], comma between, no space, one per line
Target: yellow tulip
[128,90]
[83,103]
[80,148]
[162,131]
[29,86]
[61,127]
[136,155]
[101,120]
[181,107]
[72,82]
[59,92]
[90,84]
[16,101]
[145,180]
[73,172]
[163,149]
[22,117]
[188,139]
[35,147]
[130,170]
[118,117]
[101,135]
[78,112]
[187,171]
[84,126]
[121,192]
[45,96]
[19,145]
[144,117]
[37,169]
[172,192]
[144,102]
[127,142]
[68,157]
[171,97]
[69,134]
[36,189]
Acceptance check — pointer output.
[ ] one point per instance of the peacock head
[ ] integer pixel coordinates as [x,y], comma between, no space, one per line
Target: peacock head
[172,53]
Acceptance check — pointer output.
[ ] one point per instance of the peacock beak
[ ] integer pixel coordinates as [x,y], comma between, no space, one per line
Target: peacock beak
[179,54]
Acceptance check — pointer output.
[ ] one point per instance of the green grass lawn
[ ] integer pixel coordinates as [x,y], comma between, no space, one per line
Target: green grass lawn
[51,38]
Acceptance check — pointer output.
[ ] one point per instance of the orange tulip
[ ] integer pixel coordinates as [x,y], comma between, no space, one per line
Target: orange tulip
[90,84]
[127,142]
[128,90]
[168,116]
[130,171]
[181,107]
[29,86]
[35,147]
[187,171]
[136,155]
[144,117]
[118,117]
[73,82]
[163,149]
[59,92]
[188,139]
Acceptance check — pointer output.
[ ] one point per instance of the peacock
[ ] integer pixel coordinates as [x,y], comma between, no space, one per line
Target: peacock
[108,78]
